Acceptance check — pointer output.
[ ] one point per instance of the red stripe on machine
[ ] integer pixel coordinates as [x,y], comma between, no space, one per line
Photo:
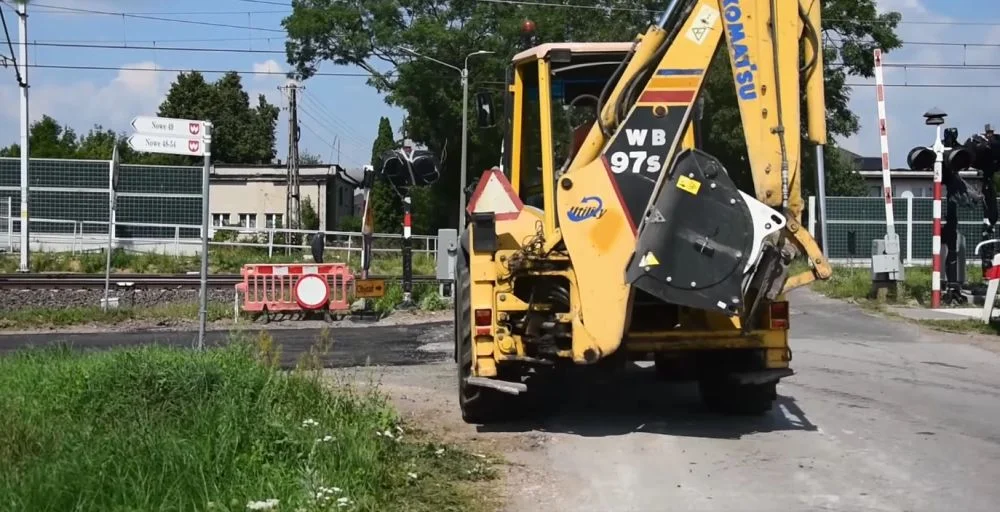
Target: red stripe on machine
[667,97]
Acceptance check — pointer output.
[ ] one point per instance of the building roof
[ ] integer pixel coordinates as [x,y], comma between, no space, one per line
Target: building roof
[275,173]
[540,51]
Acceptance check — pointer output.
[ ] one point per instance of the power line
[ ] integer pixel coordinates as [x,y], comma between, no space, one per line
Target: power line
[266,2]
[157,18]
[59,10]
[177,70]
[932,86]
[153,47]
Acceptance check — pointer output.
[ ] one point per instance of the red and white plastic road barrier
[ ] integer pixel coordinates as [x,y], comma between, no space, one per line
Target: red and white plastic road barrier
[294,288]
[992,277]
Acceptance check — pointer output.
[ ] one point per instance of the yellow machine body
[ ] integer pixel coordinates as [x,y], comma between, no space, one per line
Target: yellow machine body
[551,264]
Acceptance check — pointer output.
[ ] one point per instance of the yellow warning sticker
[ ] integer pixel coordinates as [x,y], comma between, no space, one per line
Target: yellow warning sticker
[649,260]
[688,185]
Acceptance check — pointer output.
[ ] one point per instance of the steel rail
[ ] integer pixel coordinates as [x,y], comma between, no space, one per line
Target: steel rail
[69,280]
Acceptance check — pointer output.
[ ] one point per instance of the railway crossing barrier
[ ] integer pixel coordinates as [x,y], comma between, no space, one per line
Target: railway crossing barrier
[293,288]
[992,278]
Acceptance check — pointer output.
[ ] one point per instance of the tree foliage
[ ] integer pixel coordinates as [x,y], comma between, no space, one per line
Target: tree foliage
[386,203]
[240,133]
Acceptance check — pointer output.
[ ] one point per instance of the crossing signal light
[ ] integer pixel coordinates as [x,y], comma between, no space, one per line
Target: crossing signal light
[955,159]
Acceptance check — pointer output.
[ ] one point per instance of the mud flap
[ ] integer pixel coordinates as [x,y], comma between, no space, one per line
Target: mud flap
[701,237]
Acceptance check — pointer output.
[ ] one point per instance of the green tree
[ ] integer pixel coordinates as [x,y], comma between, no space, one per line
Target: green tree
[306,158]
[241,133]
[310,219]
[386,203]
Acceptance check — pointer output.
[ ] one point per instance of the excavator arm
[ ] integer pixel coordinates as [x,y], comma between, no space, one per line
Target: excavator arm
[671,214]
[669,62]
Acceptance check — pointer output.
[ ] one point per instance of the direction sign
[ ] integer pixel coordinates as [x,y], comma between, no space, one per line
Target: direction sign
[369,288]
[169,126]
[170,145]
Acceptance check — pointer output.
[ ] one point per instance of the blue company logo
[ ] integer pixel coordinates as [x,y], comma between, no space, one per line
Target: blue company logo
[745,68]
[589,208]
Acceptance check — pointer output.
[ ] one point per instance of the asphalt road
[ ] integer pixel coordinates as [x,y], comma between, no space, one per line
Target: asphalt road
[352,346]
[881,416]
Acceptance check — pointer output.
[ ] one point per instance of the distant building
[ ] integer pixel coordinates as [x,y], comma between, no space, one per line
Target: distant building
[254,196]
[905,183]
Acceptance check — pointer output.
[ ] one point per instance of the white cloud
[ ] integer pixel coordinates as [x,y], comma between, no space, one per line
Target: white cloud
[268,66]
[83,104]
[968,108]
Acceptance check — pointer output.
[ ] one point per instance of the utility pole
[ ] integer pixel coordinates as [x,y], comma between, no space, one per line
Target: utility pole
[22,79]
[292,203]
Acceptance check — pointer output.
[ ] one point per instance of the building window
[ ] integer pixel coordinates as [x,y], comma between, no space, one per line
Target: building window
[272,220]
[220,219]
[248,220]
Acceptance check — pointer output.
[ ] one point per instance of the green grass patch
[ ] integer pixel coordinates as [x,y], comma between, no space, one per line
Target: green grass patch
[221,260]
[964,326]
[856,283]
[159,429]
[63,317]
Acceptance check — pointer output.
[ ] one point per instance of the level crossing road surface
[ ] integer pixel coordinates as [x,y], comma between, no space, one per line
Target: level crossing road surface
[882,415]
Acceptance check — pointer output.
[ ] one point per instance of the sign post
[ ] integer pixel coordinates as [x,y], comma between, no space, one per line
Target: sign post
[182,137]
[112,199]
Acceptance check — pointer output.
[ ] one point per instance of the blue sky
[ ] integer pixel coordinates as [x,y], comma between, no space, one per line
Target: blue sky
[347,110]
[343,109]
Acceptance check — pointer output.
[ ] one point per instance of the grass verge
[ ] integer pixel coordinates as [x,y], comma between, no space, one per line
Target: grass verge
[426,297]
[856,283]
[169,429]
[221,260]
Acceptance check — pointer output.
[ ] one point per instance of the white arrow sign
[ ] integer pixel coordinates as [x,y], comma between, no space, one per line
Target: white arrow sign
[169,145]
[168,126]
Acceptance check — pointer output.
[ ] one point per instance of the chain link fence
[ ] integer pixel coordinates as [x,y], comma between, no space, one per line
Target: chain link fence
[853,222]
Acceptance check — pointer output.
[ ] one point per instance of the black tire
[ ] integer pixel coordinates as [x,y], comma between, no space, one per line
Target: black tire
[478,405]
[739,399]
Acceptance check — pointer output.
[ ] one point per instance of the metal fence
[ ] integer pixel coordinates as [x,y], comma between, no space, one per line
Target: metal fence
[853,222]
[79,190]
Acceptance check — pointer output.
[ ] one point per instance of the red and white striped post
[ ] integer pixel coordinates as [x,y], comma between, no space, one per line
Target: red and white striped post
[407,253]
[890,221]
[936,230]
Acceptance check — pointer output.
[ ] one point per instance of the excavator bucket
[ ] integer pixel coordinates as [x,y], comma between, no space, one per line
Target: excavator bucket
[702,240]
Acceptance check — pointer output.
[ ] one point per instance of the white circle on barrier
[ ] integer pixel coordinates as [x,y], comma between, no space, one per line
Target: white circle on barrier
[311,292]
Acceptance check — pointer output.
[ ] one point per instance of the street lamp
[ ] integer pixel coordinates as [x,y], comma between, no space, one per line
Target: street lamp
[464,71]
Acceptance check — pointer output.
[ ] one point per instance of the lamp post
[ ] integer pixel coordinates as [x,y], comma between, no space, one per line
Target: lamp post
[464,72]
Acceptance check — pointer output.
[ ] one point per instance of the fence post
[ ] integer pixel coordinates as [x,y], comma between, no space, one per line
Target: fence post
[177,240]
[812,218]
[909,230]
[350,247]
[270,243]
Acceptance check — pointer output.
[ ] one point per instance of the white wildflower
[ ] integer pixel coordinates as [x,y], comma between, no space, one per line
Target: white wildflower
[412,476]
[344,501]
[309,422]
[267,504]
[439,452]
[399,429]
[327,439]
[388,433]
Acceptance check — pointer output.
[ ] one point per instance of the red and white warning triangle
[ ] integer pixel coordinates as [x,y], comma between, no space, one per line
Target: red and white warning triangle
[494,194]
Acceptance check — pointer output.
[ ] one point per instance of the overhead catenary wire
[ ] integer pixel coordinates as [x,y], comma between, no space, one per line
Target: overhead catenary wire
[187,70]
[154,18]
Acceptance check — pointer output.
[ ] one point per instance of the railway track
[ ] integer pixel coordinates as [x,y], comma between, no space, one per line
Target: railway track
[46,280]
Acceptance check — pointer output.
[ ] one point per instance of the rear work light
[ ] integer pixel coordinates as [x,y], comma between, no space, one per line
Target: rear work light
[484,317]
[779,315]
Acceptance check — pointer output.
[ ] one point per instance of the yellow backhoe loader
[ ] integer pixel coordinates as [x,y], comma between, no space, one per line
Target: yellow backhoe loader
[621,240]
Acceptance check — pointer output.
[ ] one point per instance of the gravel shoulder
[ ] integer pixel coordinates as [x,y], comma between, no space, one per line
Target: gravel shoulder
[882,415]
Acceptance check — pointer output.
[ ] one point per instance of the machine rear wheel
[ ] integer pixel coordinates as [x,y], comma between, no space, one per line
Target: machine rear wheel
[478,405]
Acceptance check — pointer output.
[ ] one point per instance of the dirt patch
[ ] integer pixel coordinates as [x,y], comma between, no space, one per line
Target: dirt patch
[426,397]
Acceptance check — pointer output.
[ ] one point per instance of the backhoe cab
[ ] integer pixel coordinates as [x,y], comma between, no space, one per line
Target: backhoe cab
[606,236]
